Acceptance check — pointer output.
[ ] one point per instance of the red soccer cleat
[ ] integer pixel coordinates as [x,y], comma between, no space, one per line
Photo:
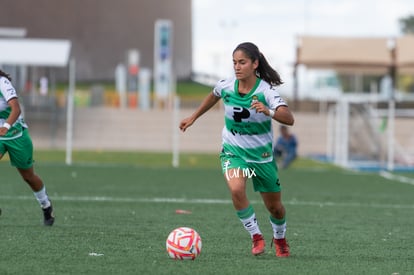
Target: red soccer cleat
[258,245]
[282,248]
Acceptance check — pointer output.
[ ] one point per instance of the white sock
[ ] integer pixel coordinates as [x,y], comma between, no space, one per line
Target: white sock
[251,225]
[279,230]
[42,198]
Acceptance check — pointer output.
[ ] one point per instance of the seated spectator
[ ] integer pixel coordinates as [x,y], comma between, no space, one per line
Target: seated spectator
[285,150]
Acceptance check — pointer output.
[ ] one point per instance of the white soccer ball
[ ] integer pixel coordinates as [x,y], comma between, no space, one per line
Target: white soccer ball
[183,243]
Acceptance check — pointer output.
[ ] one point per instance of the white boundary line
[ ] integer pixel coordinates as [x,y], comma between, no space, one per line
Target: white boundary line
[398,178]
[209,201]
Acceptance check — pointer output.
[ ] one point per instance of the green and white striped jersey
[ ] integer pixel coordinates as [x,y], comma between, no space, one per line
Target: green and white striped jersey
[8,92]
[246,133]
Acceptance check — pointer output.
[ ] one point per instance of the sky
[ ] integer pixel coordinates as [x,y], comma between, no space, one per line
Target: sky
[273,25]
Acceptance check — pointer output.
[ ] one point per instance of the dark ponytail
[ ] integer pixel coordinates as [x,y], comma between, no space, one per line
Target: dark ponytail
[5,75]
[264,70]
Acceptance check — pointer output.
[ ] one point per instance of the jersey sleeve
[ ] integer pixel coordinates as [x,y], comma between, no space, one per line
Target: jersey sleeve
[273,98]
[217,89]
[7,89]
[224,84]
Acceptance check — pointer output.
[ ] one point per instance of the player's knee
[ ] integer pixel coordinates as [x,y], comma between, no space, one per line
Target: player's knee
[238,195]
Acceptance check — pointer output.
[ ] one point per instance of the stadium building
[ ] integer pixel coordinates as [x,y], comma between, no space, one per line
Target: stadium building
[102,31]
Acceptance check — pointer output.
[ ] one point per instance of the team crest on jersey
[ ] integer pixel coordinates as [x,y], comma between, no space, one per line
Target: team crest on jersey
[265,155]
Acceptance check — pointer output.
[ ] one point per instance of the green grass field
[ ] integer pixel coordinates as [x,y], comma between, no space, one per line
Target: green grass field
[114,212]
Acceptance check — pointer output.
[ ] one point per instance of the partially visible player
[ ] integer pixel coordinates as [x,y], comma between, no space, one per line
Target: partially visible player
[286,147]
[15,139]
[251,102]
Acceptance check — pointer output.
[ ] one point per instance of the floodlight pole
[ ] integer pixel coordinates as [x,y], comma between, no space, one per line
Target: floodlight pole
[176,132]
[69,111]
[391,106]
[295,76]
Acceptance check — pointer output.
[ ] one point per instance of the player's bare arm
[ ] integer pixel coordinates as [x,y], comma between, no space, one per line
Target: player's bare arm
[205,105]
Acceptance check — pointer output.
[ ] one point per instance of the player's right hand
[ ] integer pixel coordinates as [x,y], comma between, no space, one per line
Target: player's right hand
[185,123]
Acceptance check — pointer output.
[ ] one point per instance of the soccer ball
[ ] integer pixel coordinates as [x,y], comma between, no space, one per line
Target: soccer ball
[183,243]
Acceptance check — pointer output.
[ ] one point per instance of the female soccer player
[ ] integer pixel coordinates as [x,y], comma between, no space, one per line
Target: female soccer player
[251,102]
[15,139]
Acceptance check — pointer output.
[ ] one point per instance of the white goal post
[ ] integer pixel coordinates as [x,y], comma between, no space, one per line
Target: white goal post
[354,134]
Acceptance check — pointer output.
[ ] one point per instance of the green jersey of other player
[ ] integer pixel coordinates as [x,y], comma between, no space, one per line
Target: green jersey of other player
[247,133]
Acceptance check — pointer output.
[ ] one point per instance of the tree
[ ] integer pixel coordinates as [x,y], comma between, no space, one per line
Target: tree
[407,24]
